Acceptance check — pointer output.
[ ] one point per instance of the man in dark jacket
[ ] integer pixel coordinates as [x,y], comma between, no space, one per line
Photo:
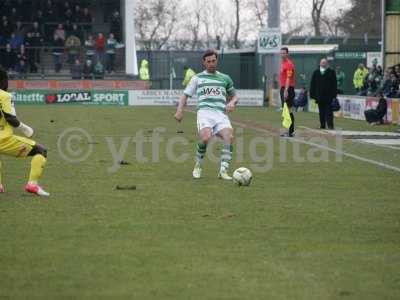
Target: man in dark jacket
[375,116]
[324,89]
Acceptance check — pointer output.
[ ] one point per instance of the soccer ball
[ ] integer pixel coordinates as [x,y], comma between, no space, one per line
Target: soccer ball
[242,176]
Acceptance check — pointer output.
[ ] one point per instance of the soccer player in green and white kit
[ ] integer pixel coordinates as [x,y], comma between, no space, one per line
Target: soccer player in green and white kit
[216,97]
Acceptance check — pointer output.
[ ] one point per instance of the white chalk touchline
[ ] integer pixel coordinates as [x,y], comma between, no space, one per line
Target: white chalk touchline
[381,143]
[357,157]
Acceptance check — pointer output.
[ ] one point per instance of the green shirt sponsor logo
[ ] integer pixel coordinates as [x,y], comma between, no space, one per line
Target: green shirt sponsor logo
[211,90]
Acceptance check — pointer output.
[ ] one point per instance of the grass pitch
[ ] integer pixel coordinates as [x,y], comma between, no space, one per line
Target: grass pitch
[310,229]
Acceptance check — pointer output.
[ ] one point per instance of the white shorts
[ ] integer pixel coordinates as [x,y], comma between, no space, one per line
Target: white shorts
[216,120]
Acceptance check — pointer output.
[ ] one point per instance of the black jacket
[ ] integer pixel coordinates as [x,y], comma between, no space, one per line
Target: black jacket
[381,109]
[323,87]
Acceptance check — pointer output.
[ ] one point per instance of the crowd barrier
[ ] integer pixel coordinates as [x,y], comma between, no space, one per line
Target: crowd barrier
[78,84]
[119,97]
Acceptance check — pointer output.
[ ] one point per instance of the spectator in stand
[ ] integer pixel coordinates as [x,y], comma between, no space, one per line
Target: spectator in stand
[99,70]
[62,9]
[21,69]
[87,19]
[58,51]
[50,11]
[73,48]
[398,75]
[13,16]
[340,77]
[390,70]
[23,10]
[39,18]
[115,26]
[16,41]
[386,84]
[9,58]
[77,14]
[21,54]
[60,32]
[393,86]
[396,69]
[88,70]
[380,71]
[76,70]
[19,30]
[76,32]
[90,46]
[86,16]
[301,99]
[2,39]
[372,81]
[6,9]
[37,42]
[397,95]
[30,53]
[358,78]
[67,27]
[6,29]
[49,16]
[100,46]
[110,51]
[69,16]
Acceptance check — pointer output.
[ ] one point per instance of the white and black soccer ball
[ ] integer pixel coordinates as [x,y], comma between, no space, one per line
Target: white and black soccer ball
[242,176]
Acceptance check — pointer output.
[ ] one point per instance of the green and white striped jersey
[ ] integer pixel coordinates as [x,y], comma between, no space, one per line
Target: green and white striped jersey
[211,90]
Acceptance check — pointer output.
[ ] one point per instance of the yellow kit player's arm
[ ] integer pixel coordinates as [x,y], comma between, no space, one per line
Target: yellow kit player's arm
[8,113]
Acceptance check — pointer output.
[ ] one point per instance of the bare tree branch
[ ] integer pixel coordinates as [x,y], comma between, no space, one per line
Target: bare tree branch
[259,10]
[237,25]
[317,6]
[156,21]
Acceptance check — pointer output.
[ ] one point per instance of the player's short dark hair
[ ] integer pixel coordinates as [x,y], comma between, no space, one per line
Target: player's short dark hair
[3,79]
[285,49]
[210,52]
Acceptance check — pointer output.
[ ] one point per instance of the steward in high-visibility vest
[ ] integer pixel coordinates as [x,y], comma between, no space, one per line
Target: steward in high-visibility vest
[144,73]
[189,73]
[359,76]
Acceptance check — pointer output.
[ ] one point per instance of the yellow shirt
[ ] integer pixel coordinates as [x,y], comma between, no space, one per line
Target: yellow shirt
[5,106]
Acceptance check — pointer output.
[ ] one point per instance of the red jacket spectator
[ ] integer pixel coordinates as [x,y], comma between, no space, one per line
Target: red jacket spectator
[100,42]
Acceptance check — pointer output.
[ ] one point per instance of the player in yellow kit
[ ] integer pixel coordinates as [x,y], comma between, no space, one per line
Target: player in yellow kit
[17,146]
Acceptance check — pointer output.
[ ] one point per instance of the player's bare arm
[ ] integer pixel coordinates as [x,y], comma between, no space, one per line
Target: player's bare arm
[14,122]
[179,110]
[232,101]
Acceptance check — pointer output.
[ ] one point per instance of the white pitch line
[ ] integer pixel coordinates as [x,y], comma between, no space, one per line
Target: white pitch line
[313,130]
[293,139]
[361,141]
[357,157]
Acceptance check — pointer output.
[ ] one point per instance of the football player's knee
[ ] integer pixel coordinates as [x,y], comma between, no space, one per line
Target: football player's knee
[231,138]
[38,149]
[205,138]
[228,137]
